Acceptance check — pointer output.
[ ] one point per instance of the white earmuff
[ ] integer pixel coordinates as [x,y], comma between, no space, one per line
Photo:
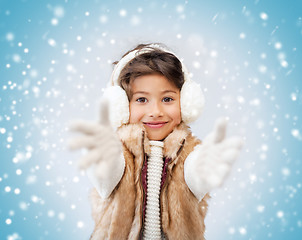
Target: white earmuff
[191,101]
[191,96]
[118,106]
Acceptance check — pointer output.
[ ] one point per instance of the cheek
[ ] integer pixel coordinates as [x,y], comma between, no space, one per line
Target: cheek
[178,117]
[175,114]
[134,114]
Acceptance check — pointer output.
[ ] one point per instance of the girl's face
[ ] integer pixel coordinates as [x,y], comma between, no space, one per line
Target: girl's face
[155,103]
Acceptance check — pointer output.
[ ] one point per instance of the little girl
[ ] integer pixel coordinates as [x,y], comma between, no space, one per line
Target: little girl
[151,175]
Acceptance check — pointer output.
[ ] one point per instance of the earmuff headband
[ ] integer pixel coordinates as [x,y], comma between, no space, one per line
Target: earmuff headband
[131,55]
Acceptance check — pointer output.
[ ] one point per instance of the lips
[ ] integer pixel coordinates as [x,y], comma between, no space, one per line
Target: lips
[155,124]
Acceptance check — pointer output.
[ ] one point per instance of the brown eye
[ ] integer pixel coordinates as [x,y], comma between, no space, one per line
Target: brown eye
[141,100]
[167,99]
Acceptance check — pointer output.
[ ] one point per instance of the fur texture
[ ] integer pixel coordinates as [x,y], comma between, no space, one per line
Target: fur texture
[120,215]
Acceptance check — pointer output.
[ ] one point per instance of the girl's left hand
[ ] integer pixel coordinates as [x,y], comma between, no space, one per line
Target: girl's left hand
[210,163]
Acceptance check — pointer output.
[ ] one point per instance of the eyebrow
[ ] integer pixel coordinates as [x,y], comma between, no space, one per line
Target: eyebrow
[140,92]
[164,92]
[169,91]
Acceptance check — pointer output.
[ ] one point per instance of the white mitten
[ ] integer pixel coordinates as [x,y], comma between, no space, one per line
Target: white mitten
[104,160]
[208,165]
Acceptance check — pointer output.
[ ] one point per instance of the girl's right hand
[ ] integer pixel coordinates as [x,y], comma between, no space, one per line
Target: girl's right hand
[103,145]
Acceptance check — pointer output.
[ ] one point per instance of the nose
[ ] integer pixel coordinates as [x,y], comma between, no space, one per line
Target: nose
[156,110]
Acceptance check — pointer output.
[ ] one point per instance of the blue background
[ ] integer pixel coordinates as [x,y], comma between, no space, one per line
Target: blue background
[56,57]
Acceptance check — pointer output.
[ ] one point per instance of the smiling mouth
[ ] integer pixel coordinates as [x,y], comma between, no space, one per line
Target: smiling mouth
[155,124]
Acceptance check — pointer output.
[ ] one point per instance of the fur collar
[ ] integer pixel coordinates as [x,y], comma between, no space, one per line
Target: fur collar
[135,138]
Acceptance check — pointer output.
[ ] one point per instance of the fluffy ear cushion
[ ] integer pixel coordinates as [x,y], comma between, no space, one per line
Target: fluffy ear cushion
[118,106]
[192,101]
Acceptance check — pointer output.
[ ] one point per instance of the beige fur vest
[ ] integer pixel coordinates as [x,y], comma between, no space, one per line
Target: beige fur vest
[120,215]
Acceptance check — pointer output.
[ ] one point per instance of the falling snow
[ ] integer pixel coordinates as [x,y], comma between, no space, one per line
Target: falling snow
[56,57]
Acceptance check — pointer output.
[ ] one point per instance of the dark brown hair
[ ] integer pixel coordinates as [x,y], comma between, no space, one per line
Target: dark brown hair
[154,62]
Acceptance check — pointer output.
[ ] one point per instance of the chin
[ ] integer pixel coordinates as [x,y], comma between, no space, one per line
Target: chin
[155,137]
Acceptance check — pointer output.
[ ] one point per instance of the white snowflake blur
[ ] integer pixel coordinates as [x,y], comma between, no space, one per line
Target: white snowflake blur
[56,57]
